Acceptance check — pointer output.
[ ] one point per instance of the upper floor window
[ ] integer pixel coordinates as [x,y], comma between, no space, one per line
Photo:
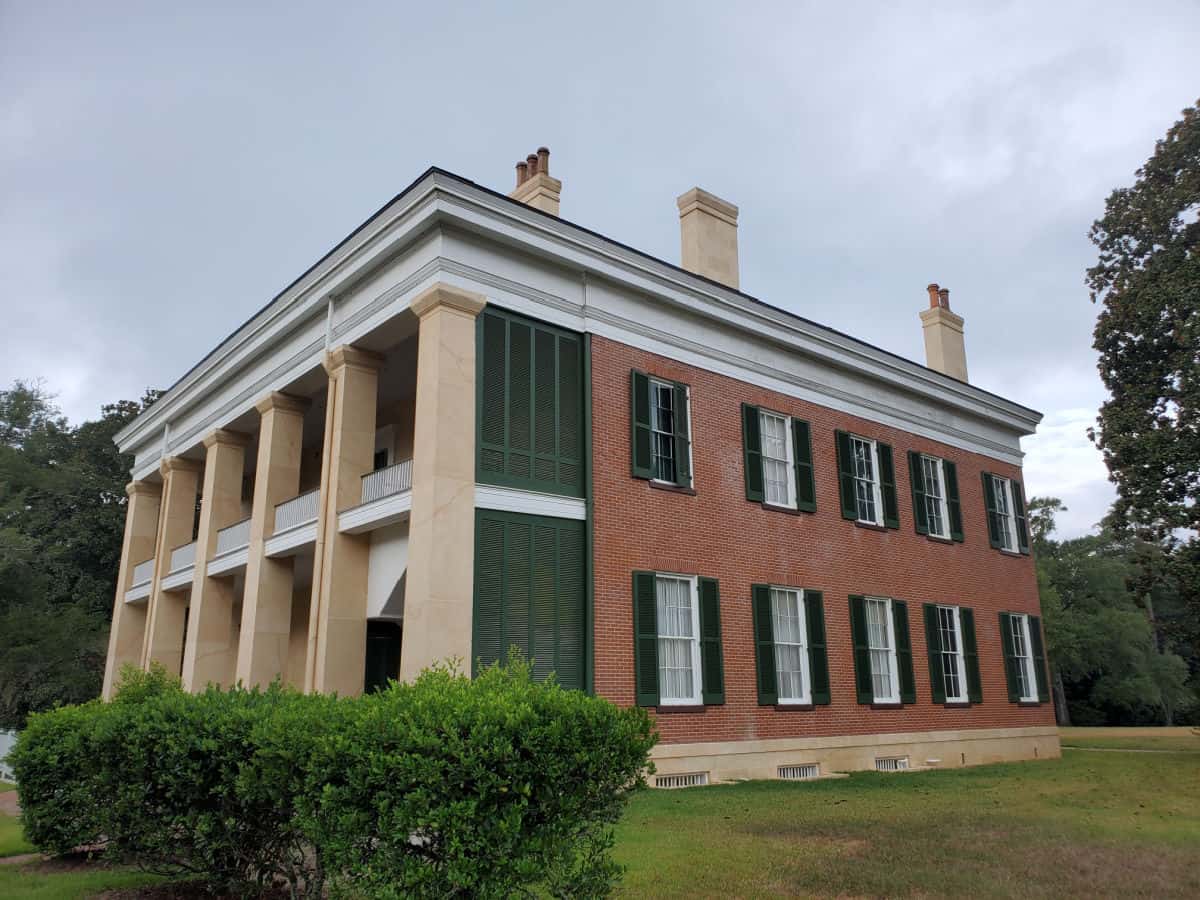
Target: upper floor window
[936,509]
[868,481]
[882,650]
[1006,513]
[661,445]
[778,459]
[778,483]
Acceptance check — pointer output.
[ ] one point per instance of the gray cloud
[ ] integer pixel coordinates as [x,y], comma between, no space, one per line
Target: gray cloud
[166,169]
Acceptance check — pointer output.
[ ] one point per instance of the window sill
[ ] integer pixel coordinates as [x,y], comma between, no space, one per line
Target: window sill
[869,526]
[1031,703]
[660,709]
[1015,553]
[957,704]
[672,488]
[890,704]
[786,510]
[938,539]
[799,707]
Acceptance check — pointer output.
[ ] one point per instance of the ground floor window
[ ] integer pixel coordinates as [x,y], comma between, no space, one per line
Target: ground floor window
[678,640]
[383,655]
[1023,657]
[882,643]
[791,652]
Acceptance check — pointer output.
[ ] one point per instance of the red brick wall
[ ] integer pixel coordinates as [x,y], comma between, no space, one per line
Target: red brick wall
[718,533]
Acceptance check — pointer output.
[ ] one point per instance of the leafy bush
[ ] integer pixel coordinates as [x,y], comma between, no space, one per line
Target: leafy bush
[448,786]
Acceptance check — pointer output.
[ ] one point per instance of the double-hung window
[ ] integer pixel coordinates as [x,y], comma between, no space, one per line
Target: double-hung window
[1006,513]
[662,428]
[677,640]
[953,654]
[936,509]
[1023,657]
[883,668]
[791,646]
[661,434]
[778,481]
[867,480]
[954,675]
[881,641]
[1002,489]
[778,459]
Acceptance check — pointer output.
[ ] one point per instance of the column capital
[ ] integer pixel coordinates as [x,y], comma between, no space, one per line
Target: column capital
[143,487]
[283,403]
[228,438]
[179,464]
[445,295]
[352,357]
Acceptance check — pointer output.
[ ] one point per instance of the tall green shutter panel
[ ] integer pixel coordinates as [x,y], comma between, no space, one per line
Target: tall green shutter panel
[966,618]
[916,477]
[818,655]
[1018,497]
[933,643]
[1010,658]
[887,486]
[952,502]
[712,665]
[862,650]
[993,513]
[493,403]
[764,644]
[488,619]
[846,476]
[645,639]
[639,415]
[752,453]
[1039,658]
[806,487]
[904,660]
[683,442]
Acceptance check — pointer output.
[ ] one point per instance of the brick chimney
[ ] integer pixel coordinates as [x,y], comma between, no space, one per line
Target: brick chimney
[944,349]
[708,236]
[535,187]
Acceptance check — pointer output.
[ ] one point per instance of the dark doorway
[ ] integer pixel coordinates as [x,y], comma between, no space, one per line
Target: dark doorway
[383,655]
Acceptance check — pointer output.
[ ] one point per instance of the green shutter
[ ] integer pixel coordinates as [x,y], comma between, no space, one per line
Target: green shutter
[904,660]
[1010,658]
[1018,497]
[818,656]
[846,476]
[966,618]
[764,644]
[752,453]
[1039,657]
[683,442]
[952,501]
[712,666]
[487,642]
[806,488]
[916,477]
[933,643]
[887,486]
[645,639]
[639,416]
[993,513]
[862,650]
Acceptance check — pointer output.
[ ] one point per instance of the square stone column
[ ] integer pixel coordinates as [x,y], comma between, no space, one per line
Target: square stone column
[167,611]
[337,632]
[129,619]
[441,531]
[210,651]
[267,600]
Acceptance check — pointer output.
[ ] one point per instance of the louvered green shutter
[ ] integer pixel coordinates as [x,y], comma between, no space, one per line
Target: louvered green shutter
[806,488]
[846,476]
[904,660]
[645,638]
[887,486]
[862,650]
[933,643]
[487,642]
[916,477]
[492,403]
[818,655]
[1010,658]
[639,415]
[993,513]
[712,666]
[683,442]
[1018,497]
[966,618]
[952,501]
[752,453]
[764,644]
[1039,658]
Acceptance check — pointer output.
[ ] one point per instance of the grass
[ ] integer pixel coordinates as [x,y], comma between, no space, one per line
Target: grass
[1181,739]
[12,839]
[7,786]
[1090,824]
[48,882]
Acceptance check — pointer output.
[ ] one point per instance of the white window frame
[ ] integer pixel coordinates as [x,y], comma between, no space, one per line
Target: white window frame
[790,460]
[893,664]
[1006,512]
[958,655]
[876,485]
[943,518]
[1019,622]
[805,697]
[687,394]
[697,687]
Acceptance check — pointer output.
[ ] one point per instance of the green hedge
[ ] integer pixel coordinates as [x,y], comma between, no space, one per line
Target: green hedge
[448,786]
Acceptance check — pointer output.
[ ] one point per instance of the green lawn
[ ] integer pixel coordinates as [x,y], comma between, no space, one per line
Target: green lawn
[12,841]
[1182,739]
[49,882]
[6,786]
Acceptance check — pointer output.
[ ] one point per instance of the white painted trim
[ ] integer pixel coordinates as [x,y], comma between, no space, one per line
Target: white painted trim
[178,580]
[287,542]
[533,503]
[140,592]
[228,562]
[375,514]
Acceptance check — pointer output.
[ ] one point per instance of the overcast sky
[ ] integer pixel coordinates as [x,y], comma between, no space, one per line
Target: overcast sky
[166,168]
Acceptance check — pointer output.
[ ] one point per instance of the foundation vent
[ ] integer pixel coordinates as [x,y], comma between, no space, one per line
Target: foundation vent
[891,763]
[695,779]
[800,773]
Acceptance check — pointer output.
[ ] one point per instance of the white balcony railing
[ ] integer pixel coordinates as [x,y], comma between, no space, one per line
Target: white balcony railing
[235,537]
[143,572]
[182,557]
[385,482]
[296,512]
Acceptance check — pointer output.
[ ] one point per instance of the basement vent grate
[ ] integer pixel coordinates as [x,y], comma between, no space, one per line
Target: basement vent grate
[695,779]
[801,772]
[891,763]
